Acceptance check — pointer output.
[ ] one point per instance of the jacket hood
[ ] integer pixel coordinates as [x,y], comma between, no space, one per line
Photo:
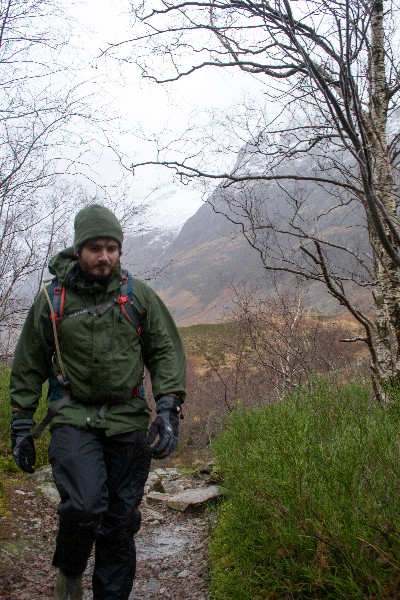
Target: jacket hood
[62,263]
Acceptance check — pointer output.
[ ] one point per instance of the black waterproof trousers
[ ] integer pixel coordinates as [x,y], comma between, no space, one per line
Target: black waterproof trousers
[101,482]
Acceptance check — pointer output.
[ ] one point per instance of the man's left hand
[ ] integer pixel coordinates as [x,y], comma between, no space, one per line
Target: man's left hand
[165,427]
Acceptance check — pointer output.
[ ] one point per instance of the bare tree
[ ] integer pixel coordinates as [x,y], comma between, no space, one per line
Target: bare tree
[52,132]
[333,68]
[269,346]
[287,344]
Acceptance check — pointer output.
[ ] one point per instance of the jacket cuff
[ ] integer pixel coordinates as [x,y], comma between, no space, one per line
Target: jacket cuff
[172,394]
[168,402]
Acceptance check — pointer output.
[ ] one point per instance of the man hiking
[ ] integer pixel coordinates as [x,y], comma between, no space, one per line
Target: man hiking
[90,333]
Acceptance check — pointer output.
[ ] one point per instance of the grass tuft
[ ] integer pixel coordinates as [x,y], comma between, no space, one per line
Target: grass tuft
[312,503]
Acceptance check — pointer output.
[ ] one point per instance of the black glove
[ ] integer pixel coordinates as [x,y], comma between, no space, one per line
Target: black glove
[22,444]
[165,426]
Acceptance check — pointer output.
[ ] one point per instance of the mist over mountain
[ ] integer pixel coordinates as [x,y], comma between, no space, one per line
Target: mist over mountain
[192,268]
[196,268]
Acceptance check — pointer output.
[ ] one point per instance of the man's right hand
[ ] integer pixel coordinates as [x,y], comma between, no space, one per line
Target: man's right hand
[165,427]
[22,444]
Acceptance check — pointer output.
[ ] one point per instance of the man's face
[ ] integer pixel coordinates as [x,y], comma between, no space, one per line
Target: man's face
[99,257]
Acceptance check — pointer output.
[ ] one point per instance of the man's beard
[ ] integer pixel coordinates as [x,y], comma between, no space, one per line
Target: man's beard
[104,281]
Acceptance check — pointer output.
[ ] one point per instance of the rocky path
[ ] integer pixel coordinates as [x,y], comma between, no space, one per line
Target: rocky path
[171,560]
[171,546]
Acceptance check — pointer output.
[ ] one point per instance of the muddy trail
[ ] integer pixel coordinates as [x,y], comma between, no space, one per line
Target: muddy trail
[171,545]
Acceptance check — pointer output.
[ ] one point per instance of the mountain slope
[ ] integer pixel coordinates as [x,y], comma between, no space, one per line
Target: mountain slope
[196,270]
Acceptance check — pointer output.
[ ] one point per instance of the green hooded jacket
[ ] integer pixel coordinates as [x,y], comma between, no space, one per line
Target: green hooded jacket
[103,356]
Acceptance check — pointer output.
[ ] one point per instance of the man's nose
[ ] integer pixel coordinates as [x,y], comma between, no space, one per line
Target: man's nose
[103,255]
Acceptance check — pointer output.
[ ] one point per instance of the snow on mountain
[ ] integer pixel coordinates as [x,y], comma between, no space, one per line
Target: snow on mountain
[169,211]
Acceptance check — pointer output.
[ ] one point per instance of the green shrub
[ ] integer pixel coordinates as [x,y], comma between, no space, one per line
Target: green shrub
[312,502]
[7,461]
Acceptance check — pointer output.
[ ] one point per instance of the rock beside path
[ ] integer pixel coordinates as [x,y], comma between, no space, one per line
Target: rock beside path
[177,492]
[190,498]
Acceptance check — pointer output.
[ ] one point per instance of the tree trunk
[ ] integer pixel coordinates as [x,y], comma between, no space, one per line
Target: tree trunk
[387,295]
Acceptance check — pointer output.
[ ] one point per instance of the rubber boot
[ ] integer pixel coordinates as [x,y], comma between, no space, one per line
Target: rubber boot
[68,588]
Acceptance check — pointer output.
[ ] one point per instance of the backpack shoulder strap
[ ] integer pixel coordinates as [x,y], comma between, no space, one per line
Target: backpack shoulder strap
[56,294]
[57,298]
[125,300]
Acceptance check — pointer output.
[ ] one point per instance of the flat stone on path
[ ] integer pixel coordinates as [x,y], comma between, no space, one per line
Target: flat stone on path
[191,498]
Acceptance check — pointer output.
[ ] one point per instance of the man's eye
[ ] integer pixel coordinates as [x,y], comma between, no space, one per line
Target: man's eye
[96,249]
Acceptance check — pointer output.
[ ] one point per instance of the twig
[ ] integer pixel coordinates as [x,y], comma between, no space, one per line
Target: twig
[379,552]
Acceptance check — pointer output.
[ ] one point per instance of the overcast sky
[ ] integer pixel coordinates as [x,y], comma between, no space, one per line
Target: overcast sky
[140,102]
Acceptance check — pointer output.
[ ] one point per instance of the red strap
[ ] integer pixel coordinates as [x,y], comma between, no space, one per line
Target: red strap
[124,309]
[60,289]
[62,301]
[121,300]
[54,318]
